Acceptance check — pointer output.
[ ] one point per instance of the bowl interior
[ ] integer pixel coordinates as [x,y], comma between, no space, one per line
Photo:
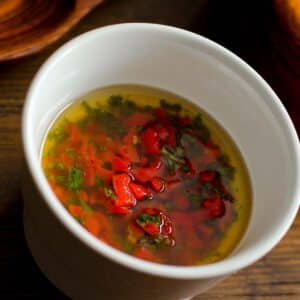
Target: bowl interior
[204,73]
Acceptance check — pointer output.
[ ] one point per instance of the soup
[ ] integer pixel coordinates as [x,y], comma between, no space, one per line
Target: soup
[150,174]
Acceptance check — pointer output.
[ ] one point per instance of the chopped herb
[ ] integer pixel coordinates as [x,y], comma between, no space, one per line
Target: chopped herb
[109,122]
[185,168]
[83,123]
[159,240]
[115,100]
[154,242]
[146,108]
[191,144]
[174,107]
[173,157]
[109,192]
[200,128]
[128,108]
[144,240]
[87,208]
[58,134]
[207,188]
[174,154]
[227,172]
[106,119]
[146,218]
[75,179]
[89,110]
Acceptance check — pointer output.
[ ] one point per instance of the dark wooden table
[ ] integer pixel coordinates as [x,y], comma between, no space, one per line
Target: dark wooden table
[248,31]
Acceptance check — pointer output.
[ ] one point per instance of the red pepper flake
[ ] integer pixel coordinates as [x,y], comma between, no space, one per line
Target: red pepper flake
[139,191]
[158,184]
[75,210]
[124,196]
[216,206]
[120,164]
[161,114]
[150,141]
[156,164]
[152,229]
[157,225]
[207,176]
[185,121]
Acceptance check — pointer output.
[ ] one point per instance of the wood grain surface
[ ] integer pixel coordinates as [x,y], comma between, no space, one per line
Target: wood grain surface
[27,26]
[247,32]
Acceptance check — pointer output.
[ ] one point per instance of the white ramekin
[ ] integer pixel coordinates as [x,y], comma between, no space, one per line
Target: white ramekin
[197,69]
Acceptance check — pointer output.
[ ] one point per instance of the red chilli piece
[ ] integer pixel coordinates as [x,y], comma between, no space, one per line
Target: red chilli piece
[139,191]
[156,164]
[151,141]
[185,121]
[161,114]
[158,184]
[124,196]
[215,206]
[164,229]
[152,229]
[207,176]
[120,164]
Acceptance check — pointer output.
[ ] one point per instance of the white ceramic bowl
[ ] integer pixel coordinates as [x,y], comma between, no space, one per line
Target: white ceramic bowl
[199,70]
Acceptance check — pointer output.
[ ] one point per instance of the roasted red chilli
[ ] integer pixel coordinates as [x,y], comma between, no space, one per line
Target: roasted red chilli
[147,180]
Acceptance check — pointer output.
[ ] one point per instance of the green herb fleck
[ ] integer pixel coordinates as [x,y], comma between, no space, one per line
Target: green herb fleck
[154,242]
[87,208]
[109,122]
[88,108]
[173,157]
[128,108]
[185,168]
[143,219]
[227,172]
[75,179]
[174,107]
[58,134]
[115,100]
[109,192]
[83,123]
[200,128]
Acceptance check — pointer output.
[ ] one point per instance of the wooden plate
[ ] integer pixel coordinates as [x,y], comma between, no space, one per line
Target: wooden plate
[28,26]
